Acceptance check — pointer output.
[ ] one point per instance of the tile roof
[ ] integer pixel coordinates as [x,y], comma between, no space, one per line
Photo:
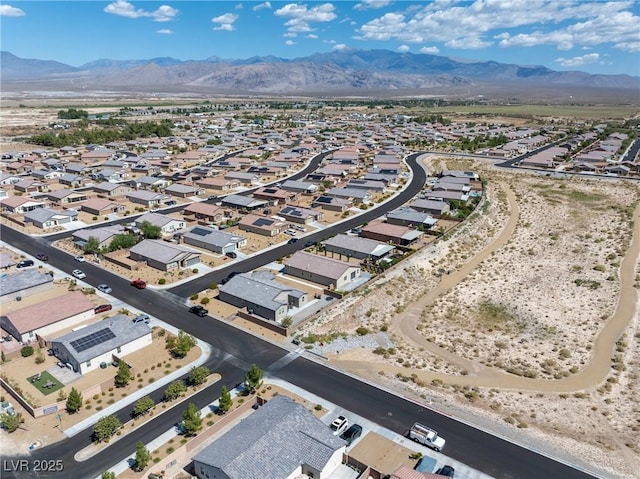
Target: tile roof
[272,442]
[360,245]
[16,282]
[162,251]
[49,312]
[316,264]
[260,288]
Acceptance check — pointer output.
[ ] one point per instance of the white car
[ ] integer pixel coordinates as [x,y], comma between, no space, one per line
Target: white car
[339,425]
[80,259]
[104,288]
[78,274]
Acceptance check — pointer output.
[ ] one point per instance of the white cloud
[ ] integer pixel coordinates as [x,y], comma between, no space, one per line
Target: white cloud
[312,36]
[225,22]
[165,31]
[122,8]
[290,35]
[514,23]
[289,42]
[261,6]
[9,11]
[340,47]
[239,6]
[578,61]
[301,17]
[430,50]
[404,48]
[369,4]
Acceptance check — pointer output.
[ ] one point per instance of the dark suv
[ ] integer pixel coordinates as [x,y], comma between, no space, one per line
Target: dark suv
[447,471]
[198,310]
[351,434]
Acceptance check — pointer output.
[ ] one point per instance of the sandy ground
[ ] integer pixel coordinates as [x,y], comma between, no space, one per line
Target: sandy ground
[523,321]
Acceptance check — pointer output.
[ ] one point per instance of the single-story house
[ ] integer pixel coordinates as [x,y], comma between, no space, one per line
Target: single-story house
[282,439]
[303,187]
[147,198]
[354,194]
[300,215]
[218,183]
[369,185]
[73,180]
[61,197]
[262,295]
[244,178]
[205,211]
[356,247]
[23,284]
[102,342]
[48,317]
[101,206]
[104,235]
[245,203]
[407,216]
[388,233]
[274,195]
[436,208]
[112,190]
[31,186]
[20,204]
[213,240]
[331,203]
[183,191]
[320,269]
[448,196]
[167,224]
[163,255]
[150,182]
[460,174]
[261,225]
[44,218]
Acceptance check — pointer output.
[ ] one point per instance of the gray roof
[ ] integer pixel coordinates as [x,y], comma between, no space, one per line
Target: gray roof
[298,185]
[272,443]
[102,233]
[213,236]
[180,188]
[16,282]
[261,288]
[409,214]
[242,201]
[6,260]
[124,331]
[40,215]
[162,251]
[360,245]
[156,219]
[348,193]
[298,212]
[147,195]
[107,186]
[435,205]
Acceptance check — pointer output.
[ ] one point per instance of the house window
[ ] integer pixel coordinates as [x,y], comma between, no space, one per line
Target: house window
[119,350]
[88,363]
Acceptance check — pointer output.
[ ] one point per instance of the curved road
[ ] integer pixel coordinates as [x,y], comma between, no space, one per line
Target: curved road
[233,350]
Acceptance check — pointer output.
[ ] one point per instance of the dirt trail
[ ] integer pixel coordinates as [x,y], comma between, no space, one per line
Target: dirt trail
[597,369]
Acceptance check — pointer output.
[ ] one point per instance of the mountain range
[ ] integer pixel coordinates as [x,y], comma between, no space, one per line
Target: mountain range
[345,70]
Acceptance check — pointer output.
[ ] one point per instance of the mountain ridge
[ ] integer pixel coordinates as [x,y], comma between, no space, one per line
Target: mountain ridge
[345,69]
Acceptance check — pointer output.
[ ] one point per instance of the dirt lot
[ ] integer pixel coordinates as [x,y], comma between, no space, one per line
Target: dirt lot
[528,352]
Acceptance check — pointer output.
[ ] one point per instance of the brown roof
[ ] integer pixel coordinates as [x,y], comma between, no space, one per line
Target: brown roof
[388,229]
[99,204]
[50,311]
[204,208]
[405,472]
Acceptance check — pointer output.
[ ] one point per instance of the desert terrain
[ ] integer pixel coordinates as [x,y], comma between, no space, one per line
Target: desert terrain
[523,322]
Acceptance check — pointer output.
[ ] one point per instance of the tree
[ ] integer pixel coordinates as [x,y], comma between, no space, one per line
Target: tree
[123,376]
[225,401]
[122,241]
[74,401]
[11,422]
[184,343]
[174,390]
[192,420]
[287,321]
[142,405]
[198,375]
[106,427]
[150,231]
[142,456]
[92,245]
[108,475]
[253,378]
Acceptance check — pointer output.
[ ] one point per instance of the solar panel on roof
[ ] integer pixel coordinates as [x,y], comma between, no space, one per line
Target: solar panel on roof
[200,231]
[93,339]
[270,190]
[262,222]
[324,199]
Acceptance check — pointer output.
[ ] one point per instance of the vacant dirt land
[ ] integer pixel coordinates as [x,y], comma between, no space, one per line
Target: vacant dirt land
[524,320]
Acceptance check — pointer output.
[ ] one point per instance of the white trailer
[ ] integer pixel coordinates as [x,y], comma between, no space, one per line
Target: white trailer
[427,436]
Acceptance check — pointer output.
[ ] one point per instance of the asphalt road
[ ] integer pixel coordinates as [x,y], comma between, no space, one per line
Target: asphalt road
[233,350]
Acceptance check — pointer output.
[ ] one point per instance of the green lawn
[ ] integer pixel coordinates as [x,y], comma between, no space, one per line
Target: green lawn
[45,378]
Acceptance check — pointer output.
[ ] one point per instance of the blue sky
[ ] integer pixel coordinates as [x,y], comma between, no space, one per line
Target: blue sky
[592,36]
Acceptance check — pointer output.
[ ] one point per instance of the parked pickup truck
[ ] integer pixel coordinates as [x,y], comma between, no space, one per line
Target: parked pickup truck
[426,436]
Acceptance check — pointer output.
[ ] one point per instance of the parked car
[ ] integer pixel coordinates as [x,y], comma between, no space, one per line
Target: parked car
[105,288]
[42,257]
[171,202]
[292,241]
[309,243]
[212,198]
[80,259]
[290,232]
[352,433]
[103,308]
[25,264]
[142,318]
[198,310]
[231,254]
[231,275]
[78,274]
[447,471]
[138,283]
[339,425]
